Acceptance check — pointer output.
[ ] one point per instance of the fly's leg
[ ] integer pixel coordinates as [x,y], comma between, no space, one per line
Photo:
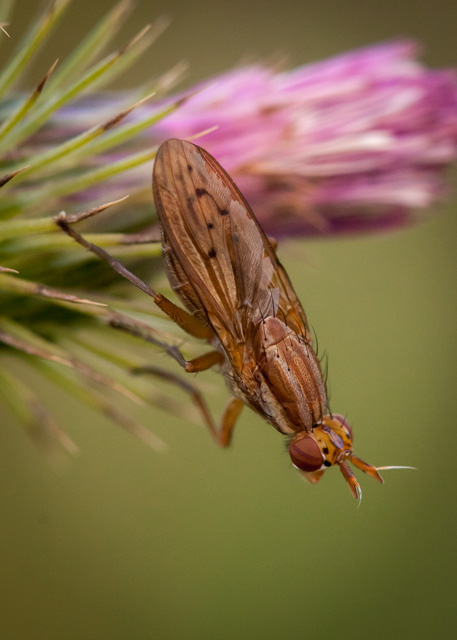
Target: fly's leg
[204,362]
[223,435]
[145,332]
[189,323]
[351,480]
[364,466]
[189,388]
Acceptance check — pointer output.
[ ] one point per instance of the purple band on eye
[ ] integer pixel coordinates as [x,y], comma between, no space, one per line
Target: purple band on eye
[305,454]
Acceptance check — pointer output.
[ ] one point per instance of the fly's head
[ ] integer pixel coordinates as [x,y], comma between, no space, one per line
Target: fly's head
[329,443]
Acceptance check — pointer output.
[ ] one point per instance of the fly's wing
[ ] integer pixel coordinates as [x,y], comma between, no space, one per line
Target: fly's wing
[217,246]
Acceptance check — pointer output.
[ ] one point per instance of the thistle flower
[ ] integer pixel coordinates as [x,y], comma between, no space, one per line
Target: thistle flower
[354,143]
[360,142]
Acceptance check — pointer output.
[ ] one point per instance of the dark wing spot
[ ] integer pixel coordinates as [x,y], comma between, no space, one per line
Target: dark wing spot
[190,168]
[210,225]
[190,201]
[211,253]
[200,192]
[223,212]
[325,449]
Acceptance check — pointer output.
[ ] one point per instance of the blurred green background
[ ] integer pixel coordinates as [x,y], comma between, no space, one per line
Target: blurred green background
[202,543]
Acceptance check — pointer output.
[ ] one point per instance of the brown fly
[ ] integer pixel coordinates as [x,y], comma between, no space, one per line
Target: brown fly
[240,300]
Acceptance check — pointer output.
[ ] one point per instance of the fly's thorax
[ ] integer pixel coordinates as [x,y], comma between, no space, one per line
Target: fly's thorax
[329,443]
[289,368]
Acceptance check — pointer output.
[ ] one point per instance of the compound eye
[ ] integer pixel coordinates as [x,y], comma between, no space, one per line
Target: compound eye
[305,454]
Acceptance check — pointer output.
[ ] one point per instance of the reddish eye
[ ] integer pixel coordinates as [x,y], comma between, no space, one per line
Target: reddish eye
[305,454]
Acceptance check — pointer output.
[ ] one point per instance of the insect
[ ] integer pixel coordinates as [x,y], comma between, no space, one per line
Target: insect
[239,299]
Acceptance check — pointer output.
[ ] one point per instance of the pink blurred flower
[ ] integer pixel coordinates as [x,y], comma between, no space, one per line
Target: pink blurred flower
[354,143]
[359,142]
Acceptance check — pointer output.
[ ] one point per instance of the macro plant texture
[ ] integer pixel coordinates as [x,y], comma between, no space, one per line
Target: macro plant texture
[357,143]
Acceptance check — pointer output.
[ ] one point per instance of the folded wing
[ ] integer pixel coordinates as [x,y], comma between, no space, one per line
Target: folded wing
[219,259]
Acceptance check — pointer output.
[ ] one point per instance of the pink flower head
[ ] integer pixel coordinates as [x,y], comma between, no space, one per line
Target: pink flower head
[354,143]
